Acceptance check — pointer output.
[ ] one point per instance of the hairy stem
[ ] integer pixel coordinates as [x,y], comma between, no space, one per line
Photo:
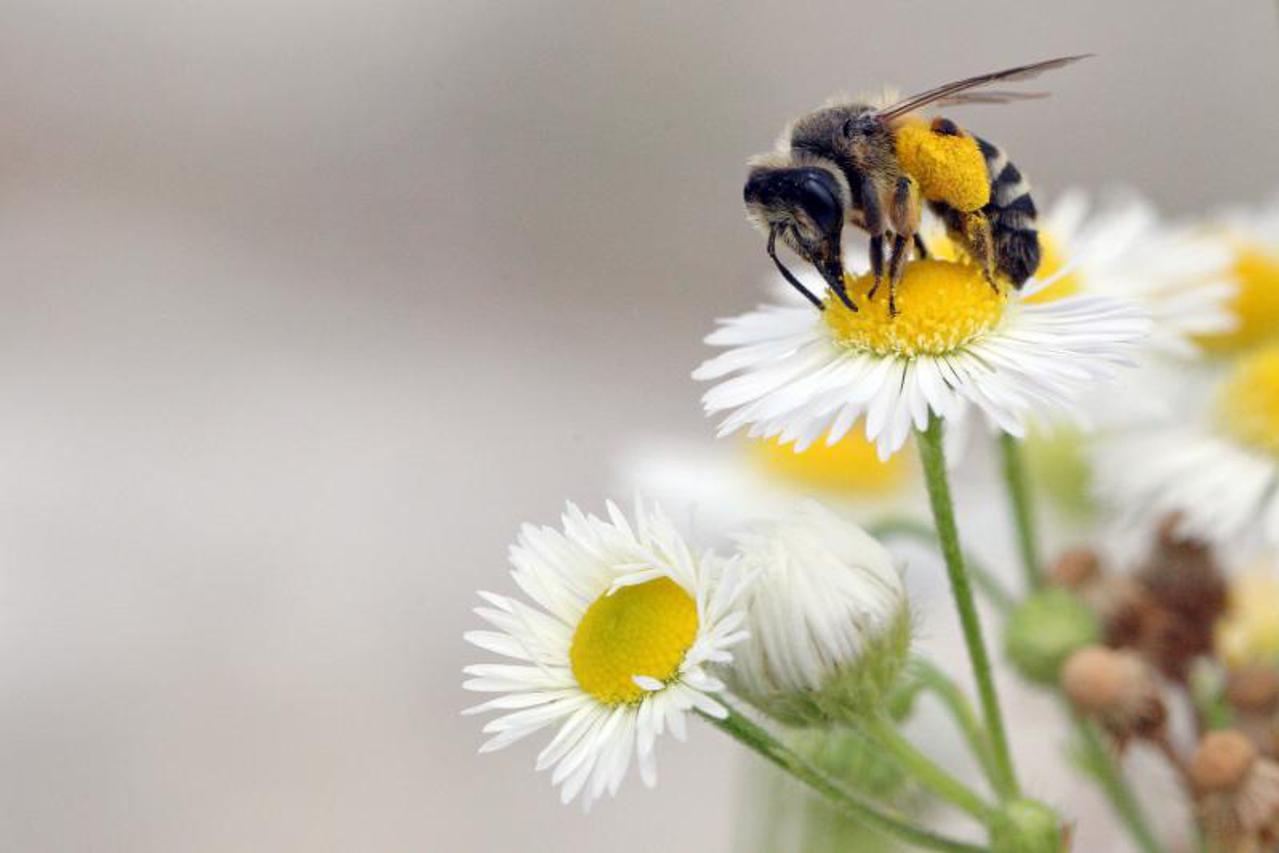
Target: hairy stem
[1023,509]
[934,459]
[1115,786]
[884,732]
[907,528]
[961,711]
[761,741]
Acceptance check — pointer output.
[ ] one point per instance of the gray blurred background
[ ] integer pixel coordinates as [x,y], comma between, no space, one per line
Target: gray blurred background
[308,304]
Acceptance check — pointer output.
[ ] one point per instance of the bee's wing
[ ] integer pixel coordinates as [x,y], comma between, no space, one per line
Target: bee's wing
[958,91]
[988,96]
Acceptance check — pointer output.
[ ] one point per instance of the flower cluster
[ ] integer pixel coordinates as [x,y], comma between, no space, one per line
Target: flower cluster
[1136,377]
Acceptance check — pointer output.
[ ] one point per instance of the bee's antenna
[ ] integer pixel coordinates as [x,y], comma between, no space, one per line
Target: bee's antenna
[786,274]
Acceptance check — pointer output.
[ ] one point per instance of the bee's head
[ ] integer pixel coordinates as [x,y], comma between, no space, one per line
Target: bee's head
[805,206]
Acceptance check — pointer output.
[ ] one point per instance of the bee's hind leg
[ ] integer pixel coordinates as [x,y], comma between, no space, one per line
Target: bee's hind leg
[981,243]
[921,251]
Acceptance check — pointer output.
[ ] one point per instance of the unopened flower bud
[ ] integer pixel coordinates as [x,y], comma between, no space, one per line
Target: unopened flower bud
[1047,628]
[1118,690]
[1059,464]
[828,620]
[1027,826]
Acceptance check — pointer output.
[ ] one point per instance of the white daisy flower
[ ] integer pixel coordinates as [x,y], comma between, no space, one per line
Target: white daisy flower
[1253,238]
[1218,467]
[801,374]
[828,619]
[615,648]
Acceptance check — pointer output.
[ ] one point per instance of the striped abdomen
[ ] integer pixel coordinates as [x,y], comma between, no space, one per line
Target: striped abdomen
[1011,213]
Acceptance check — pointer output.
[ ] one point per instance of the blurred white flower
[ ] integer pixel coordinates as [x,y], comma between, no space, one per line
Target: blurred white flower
[828,618]
[616,650]
[715,488]
[1179,274]
[1216,465]
[1253,238]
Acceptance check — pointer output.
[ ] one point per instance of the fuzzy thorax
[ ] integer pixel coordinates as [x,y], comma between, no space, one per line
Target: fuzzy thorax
[1249,402]
[949,168]
[642,630]
[942,306]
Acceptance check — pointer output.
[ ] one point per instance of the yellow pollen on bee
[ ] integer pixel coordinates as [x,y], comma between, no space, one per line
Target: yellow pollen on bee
[948,168]
[1249,403]
[850,467]
[941,305]
[1255,304]
[644,629]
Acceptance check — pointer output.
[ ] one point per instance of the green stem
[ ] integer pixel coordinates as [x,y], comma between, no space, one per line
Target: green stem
[961,711]
[1107,772]
[1115,786]
[1019,497]
[933,456]
[907,528]
[883,732]
[761,741]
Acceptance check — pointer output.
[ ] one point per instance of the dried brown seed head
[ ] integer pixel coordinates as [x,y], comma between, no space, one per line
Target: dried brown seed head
[1222,761]
[1093,679]
[1253,688]
[1076,568]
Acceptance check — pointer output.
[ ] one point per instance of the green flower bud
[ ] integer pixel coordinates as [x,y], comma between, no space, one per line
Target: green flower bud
[1026,826]
[1058,463]
[1047,628]
[828,619]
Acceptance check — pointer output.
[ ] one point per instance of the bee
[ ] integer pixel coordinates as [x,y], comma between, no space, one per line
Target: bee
[874,167]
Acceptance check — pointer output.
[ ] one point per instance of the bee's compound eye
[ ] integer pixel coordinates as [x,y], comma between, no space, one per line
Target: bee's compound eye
[849,127]
[820,202]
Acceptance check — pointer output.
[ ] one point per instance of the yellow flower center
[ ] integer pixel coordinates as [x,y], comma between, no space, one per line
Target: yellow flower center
[1249,403]
[1255,304]
[1051,261]
[942,306]
[1249,632]
[644,629]
[850,466]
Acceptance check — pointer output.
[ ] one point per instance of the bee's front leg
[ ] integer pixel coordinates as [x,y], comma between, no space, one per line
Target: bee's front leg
[904,217]
[873,214]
